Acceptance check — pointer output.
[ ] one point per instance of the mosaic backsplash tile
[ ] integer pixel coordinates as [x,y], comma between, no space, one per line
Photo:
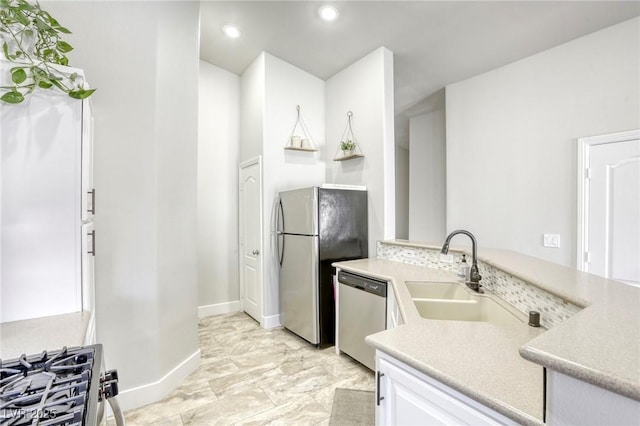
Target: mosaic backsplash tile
[520,294]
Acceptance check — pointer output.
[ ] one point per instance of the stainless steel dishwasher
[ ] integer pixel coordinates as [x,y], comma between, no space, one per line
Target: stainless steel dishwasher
[362,310]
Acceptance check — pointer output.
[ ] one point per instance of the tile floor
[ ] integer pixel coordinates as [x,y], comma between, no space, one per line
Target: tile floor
[252,376]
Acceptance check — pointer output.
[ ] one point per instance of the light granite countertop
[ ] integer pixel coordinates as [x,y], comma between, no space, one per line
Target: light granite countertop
[32,336]
[599,345]
[478,359]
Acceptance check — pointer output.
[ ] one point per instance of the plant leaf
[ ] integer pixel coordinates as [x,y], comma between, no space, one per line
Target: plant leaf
[52,20]
[58,85]
[18,75]
[81,93]
[64,47]
[44,84]
[21,17]
[5,49]
[13,97]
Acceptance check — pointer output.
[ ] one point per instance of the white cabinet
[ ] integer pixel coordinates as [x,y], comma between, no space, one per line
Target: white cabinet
[45,177]
[405,396]
[571,401]
[394,317]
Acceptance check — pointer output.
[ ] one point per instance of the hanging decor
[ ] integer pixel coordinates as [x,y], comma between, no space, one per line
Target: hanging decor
[348,147]
[300,139]
[31,41]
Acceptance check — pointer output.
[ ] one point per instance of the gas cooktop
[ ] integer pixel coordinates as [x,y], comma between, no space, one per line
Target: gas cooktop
[61,387]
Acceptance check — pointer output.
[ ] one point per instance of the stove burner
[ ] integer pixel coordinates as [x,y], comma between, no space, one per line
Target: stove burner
[57,388]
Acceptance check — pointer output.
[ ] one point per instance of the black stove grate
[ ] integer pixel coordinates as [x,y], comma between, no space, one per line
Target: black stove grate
[52,388]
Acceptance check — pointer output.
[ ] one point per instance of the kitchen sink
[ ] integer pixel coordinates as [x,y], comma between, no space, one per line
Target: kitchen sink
[453,301]
[477,308]
[437,290]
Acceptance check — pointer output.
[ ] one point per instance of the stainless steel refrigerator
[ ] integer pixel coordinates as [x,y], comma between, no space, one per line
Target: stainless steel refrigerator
[317,226]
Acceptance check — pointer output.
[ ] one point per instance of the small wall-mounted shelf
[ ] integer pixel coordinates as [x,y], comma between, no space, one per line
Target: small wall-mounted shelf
[348,147]
[348,157]
[303,141]
[291,148]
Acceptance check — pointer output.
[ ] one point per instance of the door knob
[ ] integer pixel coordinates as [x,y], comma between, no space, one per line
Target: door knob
[255,252]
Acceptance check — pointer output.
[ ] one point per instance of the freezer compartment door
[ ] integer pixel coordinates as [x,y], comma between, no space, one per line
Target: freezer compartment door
[299,286]
[343,224]
[299,212]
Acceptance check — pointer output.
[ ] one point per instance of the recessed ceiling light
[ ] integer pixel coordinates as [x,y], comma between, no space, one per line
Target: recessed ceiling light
[328,13]
[231,31]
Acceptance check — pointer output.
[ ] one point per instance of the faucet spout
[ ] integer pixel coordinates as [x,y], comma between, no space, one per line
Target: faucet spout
[474,274]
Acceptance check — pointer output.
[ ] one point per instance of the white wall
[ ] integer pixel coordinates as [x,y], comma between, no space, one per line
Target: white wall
[427,195]
[366,89]
[252,109]
[511,138]
[145,178]
[402,192]
[271,90]
[286,87]
[218,153]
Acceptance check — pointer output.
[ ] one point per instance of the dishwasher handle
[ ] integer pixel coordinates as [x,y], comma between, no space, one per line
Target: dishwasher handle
[368,284]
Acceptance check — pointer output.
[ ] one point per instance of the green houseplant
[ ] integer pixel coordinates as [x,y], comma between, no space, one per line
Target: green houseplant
[347,146]
[31,40]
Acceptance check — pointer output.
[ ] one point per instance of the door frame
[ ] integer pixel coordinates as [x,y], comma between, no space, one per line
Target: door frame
[584,146]
[243,165]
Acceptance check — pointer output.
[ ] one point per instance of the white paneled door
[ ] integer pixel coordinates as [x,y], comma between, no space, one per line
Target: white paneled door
[612,208]
[250,210]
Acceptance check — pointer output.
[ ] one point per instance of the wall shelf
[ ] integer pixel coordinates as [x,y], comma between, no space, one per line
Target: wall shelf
[348,157]
[301,142]
[291,148]
[348,136]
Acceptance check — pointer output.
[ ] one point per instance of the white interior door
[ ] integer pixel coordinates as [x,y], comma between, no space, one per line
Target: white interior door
[250,210]
[612,208]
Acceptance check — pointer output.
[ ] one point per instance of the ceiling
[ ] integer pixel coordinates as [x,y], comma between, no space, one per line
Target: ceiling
[435,43]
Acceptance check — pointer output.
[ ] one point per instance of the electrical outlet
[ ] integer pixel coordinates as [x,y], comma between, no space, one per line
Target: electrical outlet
[551,240]
[446,258]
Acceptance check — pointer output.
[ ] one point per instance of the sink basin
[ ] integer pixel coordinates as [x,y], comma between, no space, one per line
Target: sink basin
[477,308]
[437,290]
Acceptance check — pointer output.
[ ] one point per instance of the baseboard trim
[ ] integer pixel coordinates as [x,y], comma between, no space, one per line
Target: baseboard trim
[218,308]
[152,392]
[271,321]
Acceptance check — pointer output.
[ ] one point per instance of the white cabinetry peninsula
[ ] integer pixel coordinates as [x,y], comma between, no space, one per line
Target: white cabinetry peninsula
[587,349]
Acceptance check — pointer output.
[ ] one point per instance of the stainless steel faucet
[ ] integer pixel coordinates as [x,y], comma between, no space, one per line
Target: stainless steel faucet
[474,274]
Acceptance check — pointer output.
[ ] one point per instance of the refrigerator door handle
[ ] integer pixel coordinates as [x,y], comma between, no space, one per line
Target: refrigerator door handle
[280,214]
[280,217]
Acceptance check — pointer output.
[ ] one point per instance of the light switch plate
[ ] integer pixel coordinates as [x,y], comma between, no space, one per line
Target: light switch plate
[551,240]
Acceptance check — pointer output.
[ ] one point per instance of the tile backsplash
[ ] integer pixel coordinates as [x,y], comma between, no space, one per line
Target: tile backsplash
[522,295]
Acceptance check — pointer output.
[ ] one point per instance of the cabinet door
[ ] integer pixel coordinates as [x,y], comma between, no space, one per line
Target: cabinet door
[87,190]
[88,268]
[40,207]
[408,397]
